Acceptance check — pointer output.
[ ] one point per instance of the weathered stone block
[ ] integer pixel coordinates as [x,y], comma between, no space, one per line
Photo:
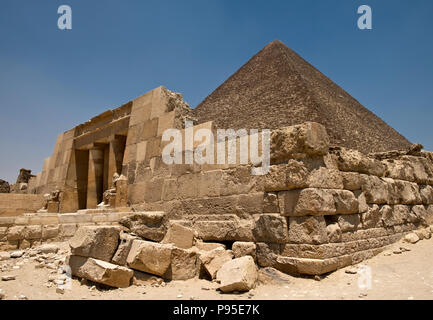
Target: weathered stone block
[241,249]
[308,230]
[426,193]
[124,247]
[50,231]
[270,228]
[292,175]
[100,271]
[355,161]
[15,233]
[67,230]
[348,222]
[296,141]
[325,178]
[180,236]
[211,261]
[238,275]
[183,265]
[372,218]
[345,202]
[231,230]
[270,203]
[150,257]
[351,180]
[99,242]
[308,201]
[147,225]
[375,189]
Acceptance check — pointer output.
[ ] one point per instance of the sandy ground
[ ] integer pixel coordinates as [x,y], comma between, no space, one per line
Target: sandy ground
[408,275]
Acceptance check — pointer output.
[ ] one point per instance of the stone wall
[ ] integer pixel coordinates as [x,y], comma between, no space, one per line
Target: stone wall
[17,204]
[318,209]
[31,230]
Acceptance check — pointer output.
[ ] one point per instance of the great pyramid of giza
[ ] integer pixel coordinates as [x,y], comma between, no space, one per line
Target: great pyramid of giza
[278,88]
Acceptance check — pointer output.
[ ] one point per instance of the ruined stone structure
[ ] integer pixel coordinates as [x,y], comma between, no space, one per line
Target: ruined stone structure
[322,206]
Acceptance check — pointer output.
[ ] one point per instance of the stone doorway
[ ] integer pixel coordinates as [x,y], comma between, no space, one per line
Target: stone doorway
[95,168]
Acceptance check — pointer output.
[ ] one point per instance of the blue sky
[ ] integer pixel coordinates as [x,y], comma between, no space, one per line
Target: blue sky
[52,80]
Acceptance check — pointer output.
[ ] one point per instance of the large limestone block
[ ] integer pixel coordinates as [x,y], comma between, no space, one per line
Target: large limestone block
[372,218]
[421,168]
[355,161]
[295,142]
[238,275]
[100,271]
[241,249]
[308,201]
[345,202]
[426,193]
[399,169]
[292,175]
[228,230]
[211,261]
[325,178]
[270,228]
[351,180]
[375,190]
[308,230]
[309,266]
[180,236]
[99,242]
[150,257]
[148,225]
[184,265]
[408,192]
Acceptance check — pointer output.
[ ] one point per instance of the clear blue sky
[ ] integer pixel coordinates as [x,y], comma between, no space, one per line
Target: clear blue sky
[52,80]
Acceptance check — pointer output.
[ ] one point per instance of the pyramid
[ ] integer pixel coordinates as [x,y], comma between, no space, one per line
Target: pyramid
[277,88]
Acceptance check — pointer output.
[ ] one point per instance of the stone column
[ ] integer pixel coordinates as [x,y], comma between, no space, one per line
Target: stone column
[95,180]
[115,156]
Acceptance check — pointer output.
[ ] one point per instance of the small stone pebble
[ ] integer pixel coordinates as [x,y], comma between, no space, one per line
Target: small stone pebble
[17,254]
[2,294]
[8,278]
[22,297]
[179,296]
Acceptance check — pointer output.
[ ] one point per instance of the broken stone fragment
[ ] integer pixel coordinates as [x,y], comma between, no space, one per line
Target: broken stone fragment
[238,275]
[99,242]
[16,254]
[147,225]
[48,248]
[411,238]
[180,236]
[100,271]
[271,276]
[150,257]
[211,261]
[124,247]
[208,246]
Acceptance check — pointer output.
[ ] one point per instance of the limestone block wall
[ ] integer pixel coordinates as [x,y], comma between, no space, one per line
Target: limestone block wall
[318,209]
[31,230]
[12,204]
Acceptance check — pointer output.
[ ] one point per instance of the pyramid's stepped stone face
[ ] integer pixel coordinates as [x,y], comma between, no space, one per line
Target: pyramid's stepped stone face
[277,88]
